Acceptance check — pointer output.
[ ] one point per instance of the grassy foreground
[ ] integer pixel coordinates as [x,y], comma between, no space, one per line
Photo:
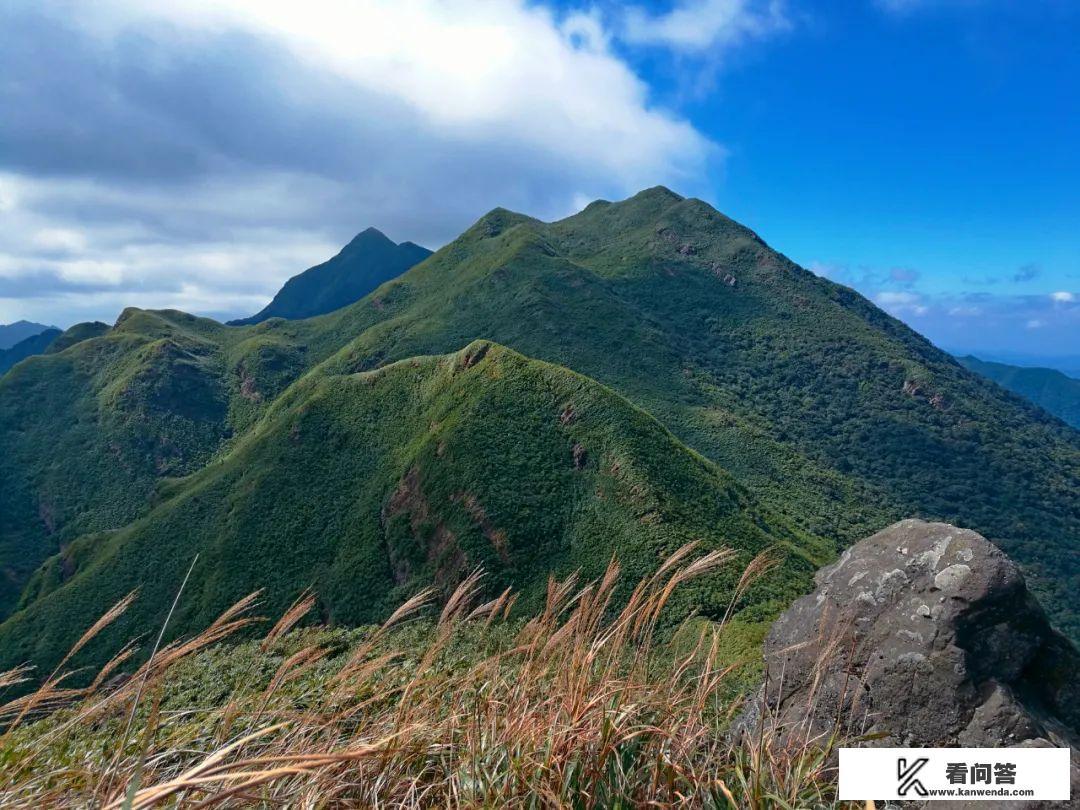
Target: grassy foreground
[581,705]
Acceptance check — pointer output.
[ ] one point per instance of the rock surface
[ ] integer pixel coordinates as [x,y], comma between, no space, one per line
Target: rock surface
[922,635]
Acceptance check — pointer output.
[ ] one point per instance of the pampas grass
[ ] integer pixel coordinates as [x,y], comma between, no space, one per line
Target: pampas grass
[578,706]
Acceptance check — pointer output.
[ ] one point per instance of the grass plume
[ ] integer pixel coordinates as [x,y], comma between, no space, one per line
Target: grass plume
[578,706]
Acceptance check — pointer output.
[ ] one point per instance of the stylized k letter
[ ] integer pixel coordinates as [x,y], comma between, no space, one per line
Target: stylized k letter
[906,775]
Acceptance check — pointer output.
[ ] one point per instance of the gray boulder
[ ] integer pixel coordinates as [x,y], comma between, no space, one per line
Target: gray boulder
[921,635]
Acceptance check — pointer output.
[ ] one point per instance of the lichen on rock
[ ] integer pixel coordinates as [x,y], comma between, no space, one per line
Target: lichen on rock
[923,635]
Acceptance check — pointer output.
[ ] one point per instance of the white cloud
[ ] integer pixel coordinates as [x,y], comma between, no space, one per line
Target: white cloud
[972,321]
[232,143]
[119,261]
[901,301]
[8,198]
[701,25]
[830,270]
[501,68]
[64,240]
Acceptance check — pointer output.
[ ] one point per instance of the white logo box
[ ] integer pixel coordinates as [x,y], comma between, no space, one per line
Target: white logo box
[954,774]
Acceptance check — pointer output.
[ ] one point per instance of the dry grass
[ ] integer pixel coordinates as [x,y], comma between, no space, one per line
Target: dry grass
[581,707]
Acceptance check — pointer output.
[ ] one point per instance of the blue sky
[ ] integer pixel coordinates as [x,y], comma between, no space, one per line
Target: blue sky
[196,154]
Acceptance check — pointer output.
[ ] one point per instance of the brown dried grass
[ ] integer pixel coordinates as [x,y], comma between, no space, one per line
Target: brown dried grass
[579,710]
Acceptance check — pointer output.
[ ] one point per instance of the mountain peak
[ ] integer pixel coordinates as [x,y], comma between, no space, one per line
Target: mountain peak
[368,237]
[367,261]
[660,193]
[16,332]
[498,220]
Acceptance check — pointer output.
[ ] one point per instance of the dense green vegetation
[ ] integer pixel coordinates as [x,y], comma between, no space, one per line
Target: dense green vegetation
[1046,387]
[841,417]
[88,431]
[361,266]
[76,334]
[368,486]
[835,418]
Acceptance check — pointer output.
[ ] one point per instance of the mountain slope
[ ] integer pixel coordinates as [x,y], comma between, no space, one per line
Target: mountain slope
[27,347]
[12,333]
[88,430]
[361,266]
[368,486]
[77,334]
[837,417]
[1046,387]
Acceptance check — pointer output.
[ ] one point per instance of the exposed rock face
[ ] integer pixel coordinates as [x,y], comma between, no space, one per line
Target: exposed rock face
[926,634]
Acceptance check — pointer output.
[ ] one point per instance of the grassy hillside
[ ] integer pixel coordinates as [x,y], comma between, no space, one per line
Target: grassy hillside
[836,417]
[577,705]
[88,430]
[1046,387]
[77,334]
[368,486]
[361,266]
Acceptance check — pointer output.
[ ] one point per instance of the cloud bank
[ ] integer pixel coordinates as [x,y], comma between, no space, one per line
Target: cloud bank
[985,323]
[195,154]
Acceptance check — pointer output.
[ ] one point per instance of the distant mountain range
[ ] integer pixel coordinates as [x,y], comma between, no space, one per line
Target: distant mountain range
[1067,364]
[362,265]
[533,396]
[28,346]
[49,340]
[12,333]
[1046,387]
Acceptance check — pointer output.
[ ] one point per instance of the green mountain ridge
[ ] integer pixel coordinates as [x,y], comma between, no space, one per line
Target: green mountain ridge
[361,266]
[77,334]
[89,430]
[370,485]
[1048,388]
[836,418]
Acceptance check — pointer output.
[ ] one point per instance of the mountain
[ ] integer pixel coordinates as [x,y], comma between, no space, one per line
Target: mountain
[13,333]
[1067,364]
[51,340]
[832,417]
[91,429]
[1046,387]
[77,334]
[362,265]
[838,415]
[370,485]
[35,344]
